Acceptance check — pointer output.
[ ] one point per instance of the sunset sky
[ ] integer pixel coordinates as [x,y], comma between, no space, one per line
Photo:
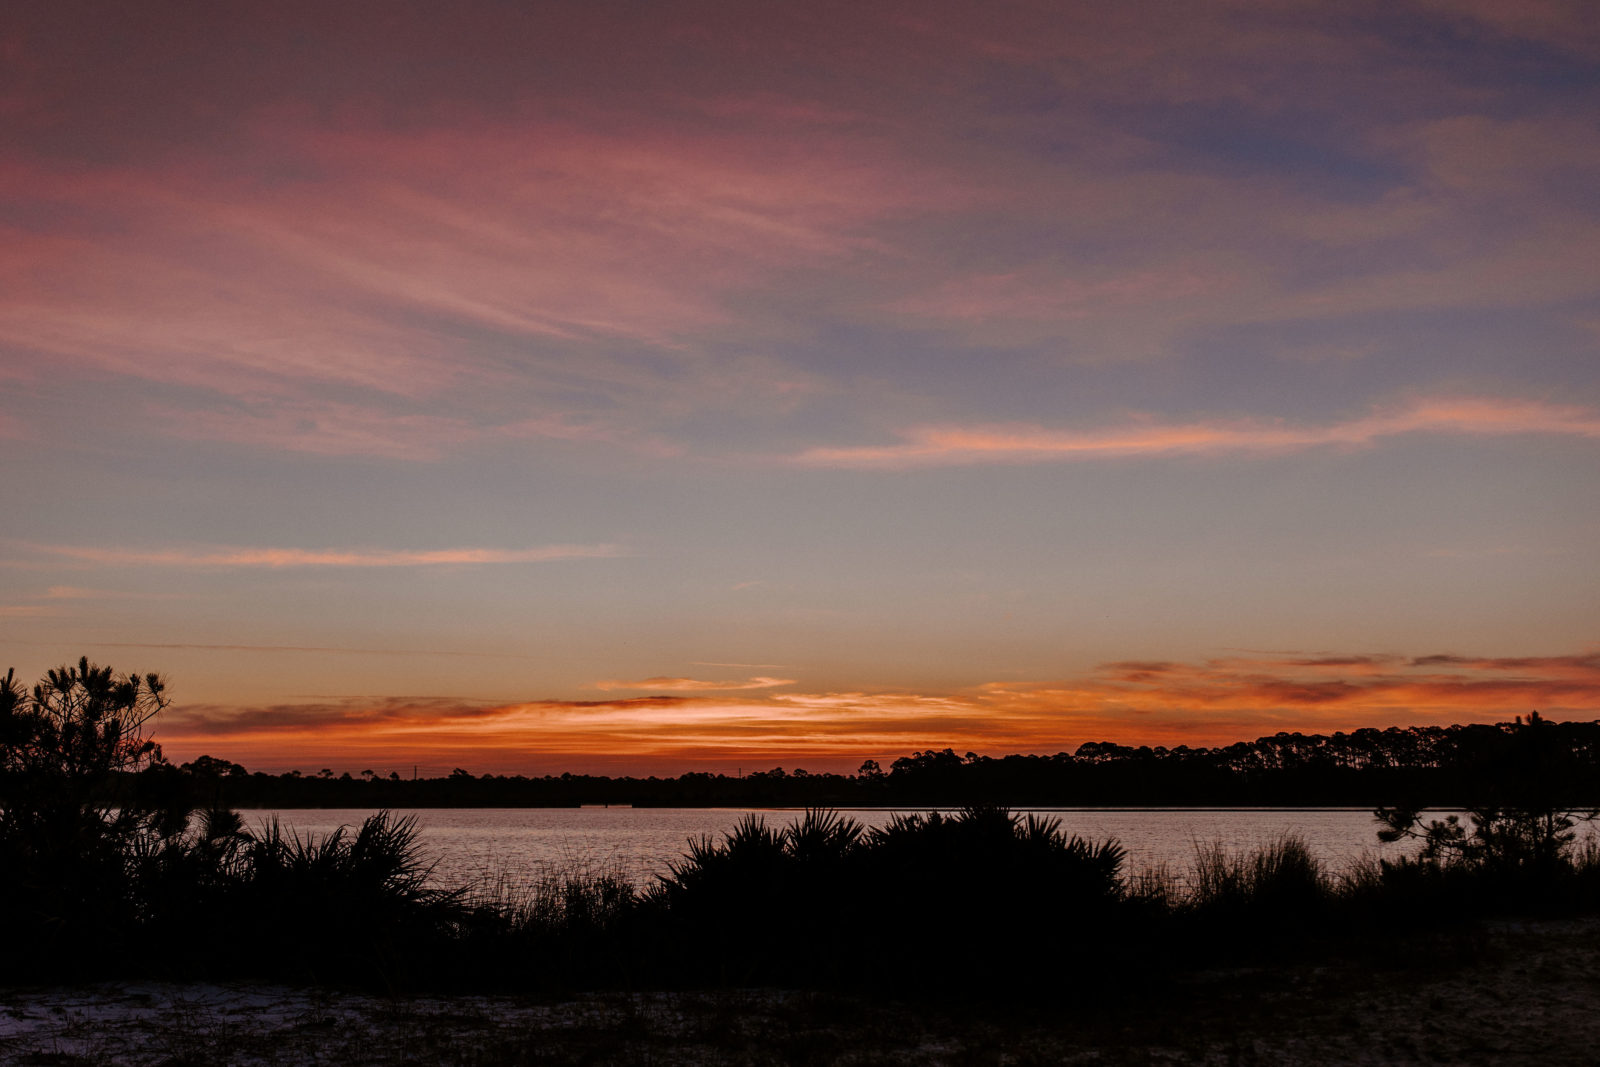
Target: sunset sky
[631,387]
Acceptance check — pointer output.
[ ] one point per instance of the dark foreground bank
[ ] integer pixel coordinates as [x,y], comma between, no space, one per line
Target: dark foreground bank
[1503,992]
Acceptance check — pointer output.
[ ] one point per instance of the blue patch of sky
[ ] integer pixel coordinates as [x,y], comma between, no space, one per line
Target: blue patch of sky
[854,355]
[1312,369]
[1524,74]
[1235,141]
[1573,187]
[1312,265]
[1325,366]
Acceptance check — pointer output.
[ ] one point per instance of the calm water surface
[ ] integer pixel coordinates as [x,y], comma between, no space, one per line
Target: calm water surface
[514,845]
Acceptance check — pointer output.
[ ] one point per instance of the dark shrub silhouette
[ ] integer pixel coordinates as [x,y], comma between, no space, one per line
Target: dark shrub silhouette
[1531,798]
[106,863]
[75,847]
[1516,846]
[977,898]
[358,903]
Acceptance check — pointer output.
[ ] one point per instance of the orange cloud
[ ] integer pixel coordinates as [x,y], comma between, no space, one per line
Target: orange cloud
[74,592]
[25,611]
[695,685]
[1156,702]
[1331,692]
[301,557]
[935,446]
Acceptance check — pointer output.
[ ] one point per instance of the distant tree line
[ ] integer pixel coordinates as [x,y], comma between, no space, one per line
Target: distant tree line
[113,861]
[1440,766]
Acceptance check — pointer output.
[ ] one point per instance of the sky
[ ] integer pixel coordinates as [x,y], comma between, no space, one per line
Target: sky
[642,388]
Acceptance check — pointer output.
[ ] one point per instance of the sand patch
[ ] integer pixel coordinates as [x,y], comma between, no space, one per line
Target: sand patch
[1502,993]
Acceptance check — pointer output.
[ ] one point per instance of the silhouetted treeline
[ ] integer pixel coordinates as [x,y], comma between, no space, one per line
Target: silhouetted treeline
[114,862]
[1444,766]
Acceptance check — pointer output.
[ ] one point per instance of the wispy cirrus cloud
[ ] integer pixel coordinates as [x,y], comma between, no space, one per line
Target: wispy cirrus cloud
[302,557]
[696,685]
[300,649]
[26,611]
[954,446]
[534,239]
[448,286]
[78,592]
[61,600]
[550,234]
[322,428]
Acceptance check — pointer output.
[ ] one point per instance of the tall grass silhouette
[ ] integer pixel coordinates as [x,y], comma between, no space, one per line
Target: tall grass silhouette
[1280,876]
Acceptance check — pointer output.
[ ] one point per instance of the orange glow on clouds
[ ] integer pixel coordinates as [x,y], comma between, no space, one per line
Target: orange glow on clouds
[695,685]
[304,313]
[1216,701]
[936,446]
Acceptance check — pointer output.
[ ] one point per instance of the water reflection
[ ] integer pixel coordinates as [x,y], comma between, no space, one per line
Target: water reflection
[479,846]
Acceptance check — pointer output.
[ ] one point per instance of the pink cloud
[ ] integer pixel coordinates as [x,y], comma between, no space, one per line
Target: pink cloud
[542,230]
[951,446]
[299,557]
[450,264]
[468,251]
[75,592]
[559,426]
[322,428]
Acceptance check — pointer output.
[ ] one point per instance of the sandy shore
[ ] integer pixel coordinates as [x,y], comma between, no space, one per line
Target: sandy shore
[1502,993]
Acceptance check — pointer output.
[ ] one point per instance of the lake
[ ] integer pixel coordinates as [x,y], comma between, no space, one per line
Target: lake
[478,846]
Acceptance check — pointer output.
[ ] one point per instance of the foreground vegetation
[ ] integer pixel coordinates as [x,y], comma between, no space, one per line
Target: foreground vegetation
[102,880]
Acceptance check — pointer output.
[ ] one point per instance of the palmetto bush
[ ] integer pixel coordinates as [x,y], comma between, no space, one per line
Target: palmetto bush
[345,902]
[1002,901]
[979,896]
